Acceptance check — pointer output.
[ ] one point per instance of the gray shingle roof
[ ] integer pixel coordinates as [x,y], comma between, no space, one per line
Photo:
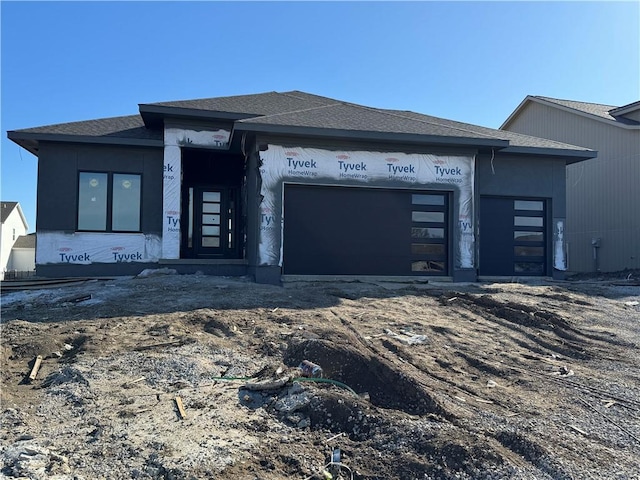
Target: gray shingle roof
[298,110]
[130,126]
[257,104]
[599,110]
[345,116]
[25,241]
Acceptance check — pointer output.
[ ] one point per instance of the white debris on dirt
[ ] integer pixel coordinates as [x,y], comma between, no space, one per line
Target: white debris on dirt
[442,381]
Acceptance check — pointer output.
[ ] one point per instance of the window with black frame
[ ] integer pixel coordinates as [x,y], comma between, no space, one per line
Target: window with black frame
[109,202]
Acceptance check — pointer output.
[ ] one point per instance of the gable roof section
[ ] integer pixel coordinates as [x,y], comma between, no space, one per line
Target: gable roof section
[294,113]
[596,111]
[6,208]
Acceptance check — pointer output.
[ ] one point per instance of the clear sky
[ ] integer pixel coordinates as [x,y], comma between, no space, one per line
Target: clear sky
[467,61]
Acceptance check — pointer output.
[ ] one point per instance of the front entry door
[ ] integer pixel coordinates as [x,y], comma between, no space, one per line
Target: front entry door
[215,222]
[513,238]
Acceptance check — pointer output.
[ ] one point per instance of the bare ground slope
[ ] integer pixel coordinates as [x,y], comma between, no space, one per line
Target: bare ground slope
[449,381]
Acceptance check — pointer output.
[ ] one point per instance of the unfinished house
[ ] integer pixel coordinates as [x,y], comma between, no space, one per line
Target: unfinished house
[282,185]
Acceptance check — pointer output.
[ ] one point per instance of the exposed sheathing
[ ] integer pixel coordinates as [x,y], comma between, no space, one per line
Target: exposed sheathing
[378,169]
[559,256]
[84,248]
[174,138]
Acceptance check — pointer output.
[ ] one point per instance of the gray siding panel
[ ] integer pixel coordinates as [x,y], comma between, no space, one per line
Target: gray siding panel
[603,194]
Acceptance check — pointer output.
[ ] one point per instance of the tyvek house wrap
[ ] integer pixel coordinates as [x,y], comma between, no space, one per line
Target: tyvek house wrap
[174,139]
[281,164]
[87,247]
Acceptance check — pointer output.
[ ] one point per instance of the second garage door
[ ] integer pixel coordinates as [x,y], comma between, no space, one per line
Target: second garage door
[364,231]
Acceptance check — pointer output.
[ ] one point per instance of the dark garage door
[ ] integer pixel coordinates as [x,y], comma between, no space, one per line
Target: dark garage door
[512,236]
[364,231]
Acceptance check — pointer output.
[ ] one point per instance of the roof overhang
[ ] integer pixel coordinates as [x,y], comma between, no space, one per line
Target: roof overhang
[373,136]
[571,156]
[31,141]
[625,109]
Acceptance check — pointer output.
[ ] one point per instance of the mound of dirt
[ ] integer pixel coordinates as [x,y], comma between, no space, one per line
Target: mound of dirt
[195,377]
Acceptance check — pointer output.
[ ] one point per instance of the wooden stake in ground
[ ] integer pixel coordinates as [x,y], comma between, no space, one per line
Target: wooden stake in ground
[180,406]
[36,367]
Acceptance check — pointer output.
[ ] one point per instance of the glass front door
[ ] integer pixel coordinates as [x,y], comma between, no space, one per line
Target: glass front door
[212,226]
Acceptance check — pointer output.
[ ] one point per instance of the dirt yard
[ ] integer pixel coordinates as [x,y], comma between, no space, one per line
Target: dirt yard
[419,381]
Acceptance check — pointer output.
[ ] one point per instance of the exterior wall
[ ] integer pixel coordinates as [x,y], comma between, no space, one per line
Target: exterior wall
[57,206]
[22,260]
[602,193]
[326,173]
[507,175]
[7,238]
[521,177]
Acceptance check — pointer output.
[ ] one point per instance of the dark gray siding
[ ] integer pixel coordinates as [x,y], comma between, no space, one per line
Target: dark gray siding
[521,176]
[524,177]
[58,167]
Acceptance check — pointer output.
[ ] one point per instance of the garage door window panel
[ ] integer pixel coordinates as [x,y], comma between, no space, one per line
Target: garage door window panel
[428,233]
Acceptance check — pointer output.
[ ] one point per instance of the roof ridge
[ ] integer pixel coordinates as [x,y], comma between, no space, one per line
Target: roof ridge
[290,94]
[291,111]
[213,98]
[573,101]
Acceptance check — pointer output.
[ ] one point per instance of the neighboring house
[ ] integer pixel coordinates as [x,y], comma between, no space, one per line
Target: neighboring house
[603,194]
[22,261]
[287,184]
[13,225]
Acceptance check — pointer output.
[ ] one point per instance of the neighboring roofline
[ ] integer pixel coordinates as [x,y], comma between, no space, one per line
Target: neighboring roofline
[623,110]
[371,135]
[532,98]
[29,236]
[57,137]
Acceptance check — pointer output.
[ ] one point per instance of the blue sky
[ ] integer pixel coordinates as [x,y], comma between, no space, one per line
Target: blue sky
[467,61]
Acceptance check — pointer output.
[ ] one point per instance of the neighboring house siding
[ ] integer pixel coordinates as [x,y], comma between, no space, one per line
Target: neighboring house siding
[602,193]
[22,260]
[12,228]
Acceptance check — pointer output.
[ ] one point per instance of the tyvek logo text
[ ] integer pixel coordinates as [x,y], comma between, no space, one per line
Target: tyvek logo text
[173,221]
[301,168]
[352,170]
[448,175]
[71,258]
